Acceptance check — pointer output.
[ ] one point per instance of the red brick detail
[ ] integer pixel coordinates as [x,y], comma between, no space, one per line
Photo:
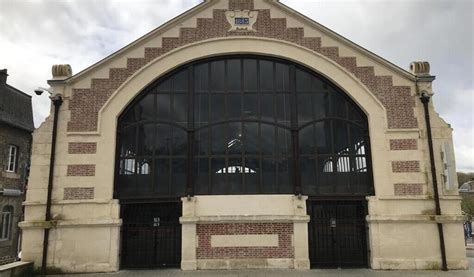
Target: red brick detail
[82,148]
[405,166]
[408,189]
[283,230]
[403,144]
[86,103]
[81,170]
[78,193]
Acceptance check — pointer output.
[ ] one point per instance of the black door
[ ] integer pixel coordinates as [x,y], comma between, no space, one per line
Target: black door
[151,235]
[337,234]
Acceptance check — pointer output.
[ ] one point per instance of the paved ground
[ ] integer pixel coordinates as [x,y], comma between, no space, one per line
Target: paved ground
[284,273]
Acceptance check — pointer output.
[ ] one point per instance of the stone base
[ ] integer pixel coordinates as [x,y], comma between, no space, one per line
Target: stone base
[188,265]
[410,264]
[245,264]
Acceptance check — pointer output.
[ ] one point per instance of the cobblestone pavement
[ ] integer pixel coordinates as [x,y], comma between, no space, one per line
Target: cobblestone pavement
[284,273]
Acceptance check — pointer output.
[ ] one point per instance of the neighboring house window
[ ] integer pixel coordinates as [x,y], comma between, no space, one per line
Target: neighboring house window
[12,158]
[6,223]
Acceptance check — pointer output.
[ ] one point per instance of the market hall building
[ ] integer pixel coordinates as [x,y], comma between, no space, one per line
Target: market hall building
[242,134]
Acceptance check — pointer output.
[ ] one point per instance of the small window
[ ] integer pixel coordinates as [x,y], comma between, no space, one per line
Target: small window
[12,158]
[6,223]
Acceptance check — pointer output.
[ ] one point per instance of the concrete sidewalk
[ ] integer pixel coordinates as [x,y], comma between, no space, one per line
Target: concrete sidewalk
[284,273]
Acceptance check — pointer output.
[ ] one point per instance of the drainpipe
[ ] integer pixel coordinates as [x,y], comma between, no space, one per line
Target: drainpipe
[57,101]
[425,99]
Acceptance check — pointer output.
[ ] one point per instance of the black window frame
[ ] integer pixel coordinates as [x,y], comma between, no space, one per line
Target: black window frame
[192,127]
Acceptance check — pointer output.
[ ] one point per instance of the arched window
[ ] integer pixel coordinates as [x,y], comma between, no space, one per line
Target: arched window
[242,125]
[6,224]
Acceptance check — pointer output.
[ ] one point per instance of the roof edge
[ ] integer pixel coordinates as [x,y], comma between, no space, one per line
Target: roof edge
[160,29]
[18,91]
[344,40]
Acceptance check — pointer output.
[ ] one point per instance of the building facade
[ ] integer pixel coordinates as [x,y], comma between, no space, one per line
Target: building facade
[16,127]
[242,134]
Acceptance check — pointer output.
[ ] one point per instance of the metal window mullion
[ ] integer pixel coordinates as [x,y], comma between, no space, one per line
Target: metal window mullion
[294,131]
[190,134]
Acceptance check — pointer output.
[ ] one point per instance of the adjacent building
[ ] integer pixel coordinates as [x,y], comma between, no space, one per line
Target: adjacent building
[16,127]
[242,134]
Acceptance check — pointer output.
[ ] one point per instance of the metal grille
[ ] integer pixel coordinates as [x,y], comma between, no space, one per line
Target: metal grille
[337,234]
[151,235]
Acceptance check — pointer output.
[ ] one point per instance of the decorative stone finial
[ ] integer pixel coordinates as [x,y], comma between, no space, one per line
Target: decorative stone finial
[61,71]
[420,68]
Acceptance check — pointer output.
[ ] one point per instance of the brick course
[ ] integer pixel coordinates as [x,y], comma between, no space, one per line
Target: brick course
[82,148]
[283,230]
[86,103]
[408,189]
[403,144]
[81,170]
[78,193]
[405,166]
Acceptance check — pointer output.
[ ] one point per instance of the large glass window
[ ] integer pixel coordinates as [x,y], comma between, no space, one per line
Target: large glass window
[242,125]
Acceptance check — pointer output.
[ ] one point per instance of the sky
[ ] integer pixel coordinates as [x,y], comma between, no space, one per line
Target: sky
[35,34]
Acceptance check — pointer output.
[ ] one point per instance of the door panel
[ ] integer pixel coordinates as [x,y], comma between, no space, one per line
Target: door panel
[151,235]
[337,234]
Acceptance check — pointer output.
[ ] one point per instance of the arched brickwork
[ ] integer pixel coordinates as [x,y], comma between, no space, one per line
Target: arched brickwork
[86,103]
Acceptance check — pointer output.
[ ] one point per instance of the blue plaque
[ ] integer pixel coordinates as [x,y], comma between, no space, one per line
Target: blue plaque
[242,21]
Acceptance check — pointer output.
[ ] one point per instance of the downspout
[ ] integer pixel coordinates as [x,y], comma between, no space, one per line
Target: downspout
[425,99]
[57,101]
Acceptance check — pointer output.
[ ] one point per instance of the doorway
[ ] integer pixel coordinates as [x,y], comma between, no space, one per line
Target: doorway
[337,233]
[151,235]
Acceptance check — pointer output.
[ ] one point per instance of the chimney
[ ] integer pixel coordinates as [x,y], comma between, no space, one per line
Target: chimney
[3,77]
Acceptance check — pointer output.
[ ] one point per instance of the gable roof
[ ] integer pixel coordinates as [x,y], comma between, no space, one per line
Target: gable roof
[15,108]
[276,3]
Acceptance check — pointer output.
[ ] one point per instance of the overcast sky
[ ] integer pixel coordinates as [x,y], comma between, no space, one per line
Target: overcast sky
[35,34]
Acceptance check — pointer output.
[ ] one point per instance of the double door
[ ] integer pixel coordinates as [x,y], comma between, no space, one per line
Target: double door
[337,233]
[151,235]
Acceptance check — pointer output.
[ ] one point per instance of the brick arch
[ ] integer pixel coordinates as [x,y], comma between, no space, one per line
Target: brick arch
[86,103]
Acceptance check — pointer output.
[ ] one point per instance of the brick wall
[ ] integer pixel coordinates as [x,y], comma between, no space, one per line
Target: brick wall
[82,148]
[283,250]
[405,166]
[81,170]
[78,193]
[86,103]
[403,144]
[408,189]
[6,259]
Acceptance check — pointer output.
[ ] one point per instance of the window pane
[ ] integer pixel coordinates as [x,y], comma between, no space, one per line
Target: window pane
[179,142]
[250,138]
[250,109]
[202,142]
[267,139]
[179,170]
[321,105]
[145,109]
[323,137]
[252,174]
[164,86]
[234,106]
[180,81]
[234,76]
[162,175]
[303,81]
[217,107]
[269,175]
[250,75]
[201,78]
[180,109]
[341,138]
[283,144]
[266,75]
[127,176]
[144,176]
[283,108]
[218,175]
[201,177]
[163,106]
[146,138]
[217,76]
[308,174]
[267,107]
[235,174]
[234,141]
[307,140]
[339,105]
[282,80]
[127,142]
[163,140]
[201,110]
[305,108]
[219,142]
